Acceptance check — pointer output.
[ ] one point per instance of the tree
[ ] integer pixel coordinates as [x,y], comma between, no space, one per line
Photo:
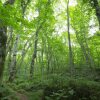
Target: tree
[69,40]
[3,40]
[81,30]
[41,24]
[13,69]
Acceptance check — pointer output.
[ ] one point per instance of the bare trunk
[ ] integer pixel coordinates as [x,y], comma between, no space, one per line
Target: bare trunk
[48,58]
[85,49]
[90,57]
[9,49]
[3,40]
[42,59]
[13,62]
[69,41]
[24,4]
[35,45]
[35,51]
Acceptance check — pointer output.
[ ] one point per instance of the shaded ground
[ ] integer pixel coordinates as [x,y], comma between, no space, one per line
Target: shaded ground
[83,86]
[22,96]
[30,95]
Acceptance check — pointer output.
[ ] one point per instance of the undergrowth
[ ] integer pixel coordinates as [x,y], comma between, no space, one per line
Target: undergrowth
[53,87]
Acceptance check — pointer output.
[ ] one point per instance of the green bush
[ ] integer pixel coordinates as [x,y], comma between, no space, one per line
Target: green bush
[6,93]
[73,90]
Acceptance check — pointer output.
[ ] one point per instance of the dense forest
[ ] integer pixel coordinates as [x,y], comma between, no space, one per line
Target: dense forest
[49,49]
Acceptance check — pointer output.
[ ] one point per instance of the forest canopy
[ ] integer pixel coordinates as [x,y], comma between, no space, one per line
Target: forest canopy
[44,40]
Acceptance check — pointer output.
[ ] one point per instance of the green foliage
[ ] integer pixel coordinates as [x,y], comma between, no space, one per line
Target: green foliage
[46,22]
[7,93]
[74,89]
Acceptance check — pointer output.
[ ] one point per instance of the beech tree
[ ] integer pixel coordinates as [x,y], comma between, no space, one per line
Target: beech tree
[3,39]
[69,40]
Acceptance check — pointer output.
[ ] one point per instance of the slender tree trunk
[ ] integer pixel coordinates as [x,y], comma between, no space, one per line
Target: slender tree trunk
[89,55]
[35,44]
[13,62]
[9,49]
[42,58]
[48,58]
[69,41]
[24,4]
[35,50]
[3,40]
[98,57]
[9,40]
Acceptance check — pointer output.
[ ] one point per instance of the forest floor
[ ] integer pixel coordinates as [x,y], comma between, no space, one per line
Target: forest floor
[84,86]
[73,89]
[22,96]
[28,95]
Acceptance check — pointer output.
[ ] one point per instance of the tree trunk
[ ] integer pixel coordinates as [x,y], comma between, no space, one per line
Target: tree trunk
[9,49]
[35,45]
[69,41]
[3,41]
[13,62]
[35,51]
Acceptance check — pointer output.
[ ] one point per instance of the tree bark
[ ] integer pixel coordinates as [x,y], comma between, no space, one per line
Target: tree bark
[13,62]
[3,41]
[35,51]
[71,63]
[35,44]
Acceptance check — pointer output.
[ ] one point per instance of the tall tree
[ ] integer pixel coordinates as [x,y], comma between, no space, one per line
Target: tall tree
[13,69]
[43,13]
[3,40]
[13,62]
[35,50]
[69,40]
[81,30]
